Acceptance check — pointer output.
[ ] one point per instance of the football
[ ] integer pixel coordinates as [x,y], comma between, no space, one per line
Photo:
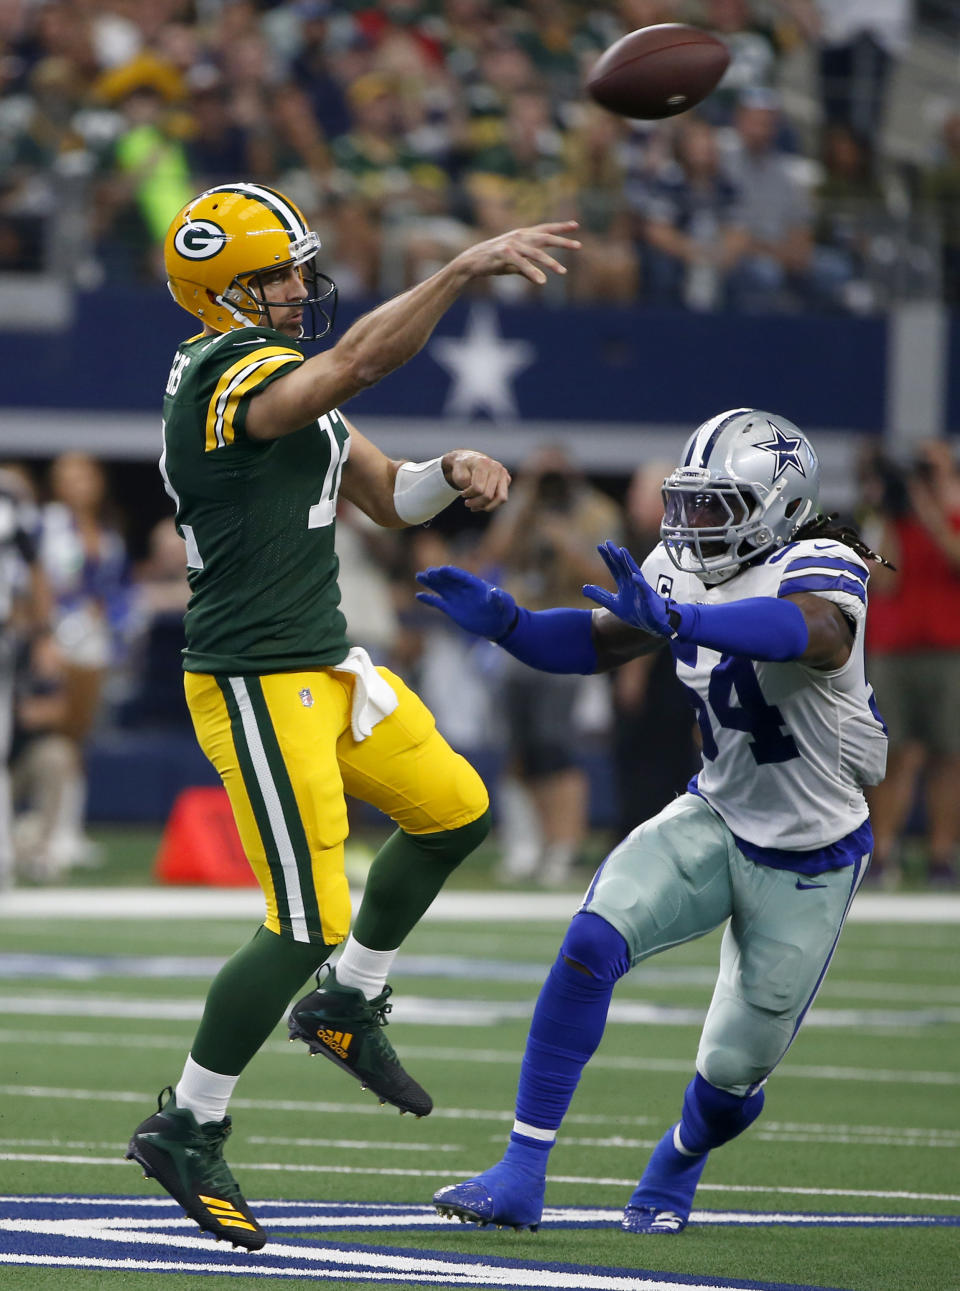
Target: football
[656,72]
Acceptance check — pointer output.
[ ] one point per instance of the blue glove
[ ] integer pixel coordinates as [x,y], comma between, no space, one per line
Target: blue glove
[759,627]
[635,601]
[473,603]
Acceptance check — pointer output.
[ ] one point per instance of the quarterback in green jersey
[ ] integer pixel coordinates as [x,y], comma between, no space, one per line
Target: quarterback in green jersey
[291,714]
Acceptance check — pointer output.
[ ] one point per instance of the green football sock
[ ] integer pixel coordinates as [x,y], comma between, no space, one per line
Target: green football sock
[249,996]
[407,873]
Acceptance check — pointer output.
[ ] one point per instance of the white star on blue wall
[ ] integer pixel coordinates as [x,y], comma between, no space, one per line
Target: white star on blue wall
[787,450]
[483,365]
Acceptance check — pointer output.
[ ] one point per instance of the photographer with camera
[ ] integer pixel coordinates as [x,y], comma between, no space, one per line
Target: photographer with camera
[913,644]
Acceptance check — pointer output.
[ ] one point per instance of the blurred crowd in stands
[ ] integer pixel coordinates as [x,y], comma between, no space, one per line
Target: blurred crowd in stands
[558,752]
[409,128]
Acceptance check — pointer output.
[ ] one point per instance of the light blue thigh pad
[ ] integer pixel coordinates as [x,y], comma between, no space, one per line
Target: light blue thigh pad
[668,881]
[774,955]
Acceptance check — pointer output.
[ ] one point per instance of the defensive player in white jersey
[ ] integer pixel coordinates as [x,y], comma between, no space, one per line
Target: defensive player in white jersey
[762,602]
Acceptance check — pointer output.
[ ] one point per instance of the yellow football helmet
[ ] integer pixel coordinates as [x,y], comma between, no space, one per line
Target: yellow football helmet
[221,242]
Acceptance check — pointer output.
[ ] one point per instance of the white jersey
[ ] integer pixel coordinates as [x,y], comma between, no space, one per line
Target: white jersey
[786,748]
[18,542]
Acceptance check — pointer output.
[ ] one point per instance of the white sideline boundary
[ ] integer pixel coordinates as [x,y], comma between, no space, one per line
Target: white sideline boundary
[451,907]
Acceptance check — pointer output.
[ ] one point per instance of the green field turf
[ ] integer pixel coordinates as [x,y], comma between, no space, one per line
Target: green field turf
[863,1117]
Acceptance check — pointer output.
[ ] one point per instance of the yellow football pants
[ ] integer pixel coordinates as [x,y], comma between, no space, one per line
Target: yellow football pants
[283,747]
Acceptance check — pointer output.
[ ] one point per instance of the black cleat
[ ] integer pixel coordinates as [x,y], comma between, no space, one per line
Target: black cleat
[186,1158]
[342,1024]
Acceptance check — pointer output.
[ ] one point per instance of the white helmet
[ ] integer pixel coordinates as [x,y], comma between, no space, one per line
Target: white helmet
[747,482]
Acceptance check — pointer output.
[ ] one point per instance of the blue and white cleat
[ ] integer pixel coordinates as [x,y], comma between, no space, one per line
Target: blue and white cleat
[502,1195]
[662,1200]
[651,1219]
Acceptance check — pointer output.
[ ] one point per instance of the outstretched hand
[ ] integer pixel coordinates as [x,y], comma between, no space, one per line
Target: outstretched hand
[472,602]
[522,251]
[635,601]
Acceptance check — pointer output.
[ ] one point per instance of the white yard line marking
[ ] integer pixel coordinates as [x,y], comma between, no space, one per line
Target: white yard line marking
[426,1011]
[933,1139]
[798,1071]
[351,1266]
[83,969]
[773,1133]
[353,1145]
[102,1039]
[585,1181]
[101,1006]
[788,1069]
[816,1127]
[901,992]
[316,1107]
[75,1144]
[347,1145]
[455,907]
[360,1214]
[372,1216]
[322,1261]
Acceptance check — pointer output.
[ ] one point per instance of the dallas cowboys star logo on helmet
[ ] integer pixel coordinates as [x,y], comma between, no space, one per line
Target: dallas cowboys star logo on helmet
[786,448]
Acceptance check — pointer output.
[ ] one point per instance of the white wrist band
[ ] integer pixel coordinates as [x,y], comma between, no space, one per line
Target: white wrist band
[420,491]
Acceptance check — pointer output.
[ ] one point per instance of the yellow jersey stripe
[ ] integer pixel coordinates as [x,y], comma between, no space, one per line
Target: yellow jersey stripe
[239,379]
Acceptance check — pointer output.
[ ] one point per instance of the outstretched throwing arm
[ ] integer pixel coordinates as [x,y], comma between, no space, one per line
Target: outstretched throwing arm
[387,337]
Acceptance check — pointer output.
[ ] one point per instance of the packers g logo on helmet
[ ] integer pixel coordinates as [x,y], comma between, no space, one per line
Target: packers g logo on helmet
[221,243]
[200,239]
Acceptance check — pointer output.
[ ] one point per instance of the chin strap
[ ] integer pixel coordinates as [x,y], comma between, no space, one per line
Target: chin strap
[238,316]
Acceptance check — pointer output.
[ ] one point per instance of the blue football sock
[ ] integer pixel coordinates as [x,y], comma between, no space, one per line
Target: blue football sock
[713,1116]
[569,1019]
[710,1118]
[529,1156]
[510,1192]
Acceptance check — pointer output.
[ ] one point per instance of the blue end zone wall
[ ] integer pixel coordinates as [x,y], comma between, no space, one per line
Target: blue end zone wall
[134,777]
[585,364]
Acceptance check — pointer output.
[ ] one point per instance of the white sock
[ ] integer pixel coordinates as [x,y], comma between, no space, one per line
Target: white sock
[534,1132]
[365,969]
[205,1093]
[678,1143]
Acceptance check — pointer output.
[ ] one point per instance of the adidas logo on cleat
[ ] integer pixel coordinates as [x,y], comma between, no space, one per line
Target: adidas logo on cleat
[338,1041]
[343,1026]
[225,1213]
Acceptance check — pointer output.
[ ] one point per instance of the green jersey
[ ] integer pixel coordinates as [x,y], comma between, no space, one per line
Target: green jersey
[257,516]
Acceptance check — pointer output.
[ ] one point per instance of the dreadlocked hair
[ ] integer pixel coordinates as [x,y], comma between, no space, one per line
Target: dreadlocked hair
[825,526]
